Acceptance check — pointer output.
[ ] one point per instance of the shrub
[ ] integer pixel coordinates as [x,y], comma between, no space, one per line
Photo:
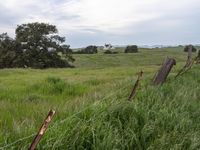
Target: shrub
[131,49]
[110,52]
[88,50]
[107,52]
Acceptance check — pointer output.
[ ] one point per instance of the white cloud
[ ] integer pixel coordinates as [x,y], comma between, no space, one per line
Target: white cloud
[110,17]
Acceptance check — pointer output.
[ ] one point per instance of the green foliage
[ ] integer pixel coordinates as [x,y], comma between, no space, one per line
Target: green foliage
[37,45]
[10,52]
[92,111]
[88,50]
[110,52]
[131,49]
[41,45]
[127,59]
[186,48]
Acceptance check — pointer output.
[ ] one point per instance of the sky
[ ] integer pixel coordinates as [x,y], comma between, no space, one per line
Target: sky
[119,22]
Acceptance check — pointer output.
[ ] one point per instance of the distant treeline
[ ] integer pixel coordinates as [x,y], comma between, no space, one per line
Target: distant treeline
[88,50]
[92,49]
[38,45]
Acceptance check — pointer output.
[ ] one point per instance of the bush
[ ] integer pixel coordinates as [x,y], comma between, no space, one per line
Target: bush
[88,50]
[187,48]
[110,52]
[131,49]
[107,52]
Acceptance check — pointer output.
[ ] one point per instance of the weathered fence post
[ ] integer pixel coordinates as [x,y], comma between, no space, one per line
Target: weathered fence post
[133,93]
[188,64]
[42,130]
[190,53]
[164,71]
[189,59]
[198,58]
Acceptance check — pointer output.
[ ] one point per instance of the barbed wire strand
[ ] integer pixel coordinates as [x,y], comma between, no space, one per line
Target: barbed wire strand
[64,120]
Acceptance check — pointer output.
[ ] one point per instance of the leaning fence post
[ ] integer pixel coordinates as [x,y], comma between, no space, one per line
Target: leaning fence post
[164,71]
[42,130]
[133,93]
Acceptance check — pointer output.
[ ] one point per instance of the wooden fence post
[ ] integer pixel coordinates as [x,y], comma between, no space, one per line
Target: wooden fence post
[164,71]
[188,64]
[190,53]
[198,58]
[42,130]
[133,93]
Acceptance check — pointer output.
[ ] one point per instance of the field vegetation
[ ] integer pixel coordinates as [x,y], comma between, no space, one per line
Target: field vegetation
[92,111]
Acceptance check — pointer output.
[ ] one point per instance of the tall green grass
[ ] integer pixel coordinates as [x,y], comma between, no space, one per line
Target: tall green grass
[165,117]
[92,111]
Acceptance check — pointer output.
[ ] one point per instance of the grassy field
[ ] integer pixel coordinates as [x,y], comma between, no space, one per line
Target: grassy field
[92,111]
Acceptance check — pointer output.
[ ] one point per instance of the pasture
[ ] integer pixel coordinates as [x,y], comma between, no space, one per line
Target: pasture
[92,111]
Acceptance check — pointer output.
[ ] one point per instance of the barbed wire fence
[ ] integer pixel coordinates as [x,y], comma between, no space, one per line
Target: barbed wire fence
[66,119]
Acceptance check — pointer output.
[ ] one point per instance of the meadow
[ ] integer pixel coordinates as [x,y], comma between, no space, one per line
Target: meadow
[92,111]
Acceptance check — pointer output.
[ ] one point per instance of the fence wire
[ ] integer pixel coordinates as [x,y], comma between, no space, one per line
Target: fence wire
[64,120]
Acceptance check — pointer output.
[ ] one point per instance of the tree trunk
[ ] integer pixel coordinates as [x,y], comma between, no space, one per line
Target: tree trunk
[164,71]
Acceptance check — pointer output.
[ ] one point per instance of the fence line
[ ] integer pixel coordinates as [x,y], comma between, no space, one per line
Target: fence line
[67,118]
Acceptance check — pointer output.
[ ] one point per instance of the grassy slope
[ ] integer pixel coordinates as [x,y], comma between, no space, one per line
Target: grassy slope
[92,101]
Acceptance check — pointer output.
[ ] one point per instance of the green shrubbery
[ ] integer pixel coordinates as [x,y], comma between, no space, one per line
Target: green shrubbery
[88,50]
[131,49]
[110,52]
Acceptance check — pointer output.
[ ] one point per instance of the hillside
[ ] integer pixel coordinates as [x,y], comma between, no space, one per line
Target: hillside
[92,111]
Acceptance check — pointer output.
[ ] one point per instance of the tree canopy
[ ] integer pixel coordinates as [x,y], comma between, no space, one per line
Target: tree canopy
[37,45]
[131,49]
[10,52]
[88,50]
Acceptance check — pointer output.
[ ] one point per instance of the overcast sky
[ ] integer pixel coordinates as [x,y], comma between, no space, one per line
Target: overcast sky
[119,22]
